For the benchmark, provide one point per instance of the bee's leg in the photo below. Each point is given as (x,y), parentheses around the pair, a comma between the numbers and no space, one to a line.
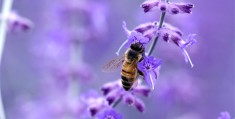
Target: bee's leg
(140,72)
(141,57)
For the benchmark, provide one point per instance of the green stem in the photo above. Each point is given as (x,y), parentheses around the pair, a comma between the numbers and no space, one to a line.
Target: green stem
(150,51)
(6,9)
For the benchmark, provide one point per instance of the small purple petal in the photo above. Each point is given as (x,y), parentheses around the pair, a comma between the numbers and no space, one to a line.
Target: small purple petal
(145,27)
(186,8)
(142,90)
(128,98)
(113,96)
(108,87)
(139,105)
(110,114)
(148,5)
(150,34)
(93,111)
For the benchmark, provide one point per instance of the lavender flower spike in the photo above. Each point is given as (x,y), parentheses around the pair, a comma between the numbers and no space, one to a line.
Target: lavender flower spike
(114,91)
(132,37)
(172,8)
(110,114)
(224,115)
(148,67)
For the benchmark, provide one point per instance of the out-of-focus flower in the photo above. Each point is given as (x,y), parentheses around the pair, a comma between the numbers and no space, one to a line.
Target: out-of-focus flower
(17,22)
(114,91)
(82,72)
(110,114)
(92,23)
(179,86)
(94,103)
(52,107)
(149,66)
(172,8)
(191,115)
(224,115)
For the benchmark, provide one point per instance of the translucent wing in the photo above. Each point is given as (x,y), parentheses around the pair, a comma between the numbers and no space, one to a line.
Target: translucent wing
(113,65)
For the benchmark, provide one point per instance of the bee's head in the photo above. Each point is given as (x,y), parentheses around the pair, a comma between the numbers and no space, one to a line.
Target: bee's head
(137,47)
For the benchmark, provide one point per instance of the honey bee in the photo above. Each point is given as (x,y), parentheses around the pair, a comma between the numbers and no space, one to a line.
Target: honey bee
(129,61)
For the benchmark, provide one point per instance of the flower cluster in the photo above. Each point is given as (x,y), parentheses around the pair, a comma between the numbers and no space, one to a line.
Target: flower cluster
(114,93)
(144,33)
(172,8)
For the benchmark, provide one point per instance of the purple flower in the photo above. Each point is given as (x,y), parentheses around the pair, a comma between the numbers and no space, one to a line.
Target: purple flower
(94,103)
(17,22)
(133,37)
(149,67)
(148,5)
(224,115)
(170,33)
(172,8)
(110,114)
(171,88)
(92,22)
(114,91)
(145,27)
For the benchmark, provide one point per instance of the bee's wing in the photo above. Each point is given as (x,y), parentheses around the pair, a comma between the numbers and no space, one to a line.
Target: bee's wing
(113,65)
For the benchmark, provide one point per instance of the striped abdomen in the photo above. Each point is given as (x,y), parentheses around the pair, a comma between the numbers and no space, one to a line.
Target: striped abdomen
(128,74)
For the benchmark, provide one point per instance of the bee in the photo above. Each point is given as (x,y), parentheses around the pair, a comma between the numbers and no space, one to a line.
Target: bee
(129,61)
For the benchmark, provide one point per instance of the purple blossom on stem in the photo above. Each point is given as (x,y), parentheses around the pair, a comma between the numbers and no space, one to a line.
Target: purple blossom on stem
(17,22)
(133,37)
(110,114)
(224,115)
(172,8)
(93,24)
(170,33)
(114,92)
(149,67)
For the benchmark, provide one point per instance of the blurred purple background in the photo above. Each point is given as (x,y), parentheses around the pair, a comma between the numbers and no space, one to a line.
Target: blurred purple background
(36,63)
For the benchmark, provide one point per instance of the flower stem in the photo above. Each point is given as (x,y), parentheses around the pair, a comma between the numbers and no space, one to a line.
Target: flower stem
(75,60)
(150,51)
(6,9)
(117,102)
